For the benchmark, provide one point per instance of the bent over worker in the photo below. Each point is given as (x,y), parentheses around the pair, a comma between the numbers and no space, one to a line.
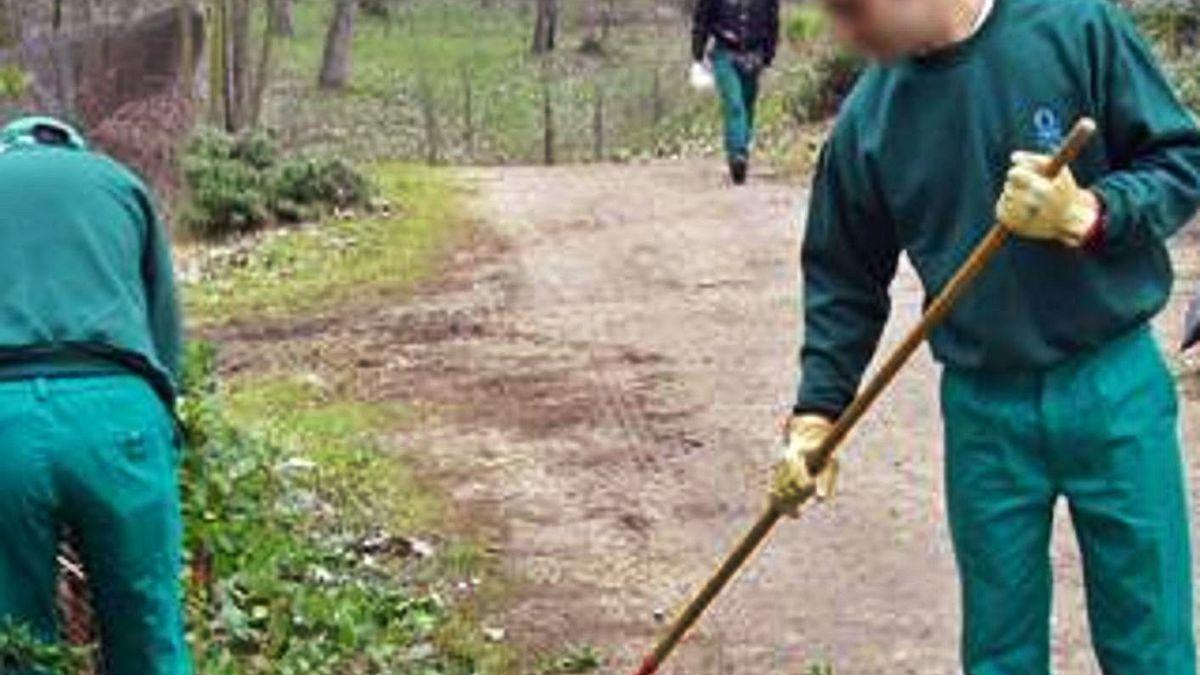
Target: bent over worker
(1053,386)
(89,364)
(744,35)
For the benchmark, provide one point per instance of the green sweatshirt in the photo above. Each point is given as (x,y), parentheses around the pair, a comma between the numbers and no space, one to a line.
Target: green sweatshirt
(85,270)
(918,159)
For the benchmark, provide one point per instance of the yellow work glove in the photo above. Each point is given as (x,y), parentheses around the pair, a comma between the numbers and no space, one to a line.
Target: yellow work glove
(1054,209)
(793,482)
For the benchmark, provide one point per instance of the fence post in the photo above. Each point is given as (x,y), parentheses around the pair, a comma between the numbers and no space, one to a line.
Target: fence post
(547,115)
(598,123)
(656,97)
(433,140)
(468,111)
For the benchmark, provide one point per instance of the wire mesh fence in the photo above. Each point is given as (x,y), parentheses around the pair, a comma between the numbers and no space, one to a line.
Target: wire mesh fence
(77,617)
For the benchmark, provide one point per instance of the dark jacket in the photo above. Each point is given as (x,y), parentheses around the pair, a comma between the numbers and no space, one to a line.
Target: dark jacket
(748,26)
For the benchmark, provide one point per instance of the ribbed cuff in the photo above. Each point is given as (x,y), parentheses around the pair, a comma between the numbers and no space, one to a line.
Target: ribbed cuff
(1098,233)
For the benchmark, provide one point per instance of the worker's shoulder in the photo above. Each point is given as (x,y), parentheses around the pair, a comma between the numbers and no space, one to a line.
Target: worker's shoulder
(66,162)
(64,171)
(113,169)
(859,109)
(108,171)
(1036,15)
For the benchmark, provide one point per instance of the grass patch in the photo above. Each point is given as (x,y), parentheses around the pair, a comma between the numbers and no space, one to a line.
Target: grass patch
(309,269)
(452,82)
(300,526)
(339,436)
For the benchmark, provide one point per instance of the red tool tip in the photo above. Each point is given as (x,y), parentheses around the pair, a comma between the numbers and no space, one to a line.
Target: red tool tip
(648,668)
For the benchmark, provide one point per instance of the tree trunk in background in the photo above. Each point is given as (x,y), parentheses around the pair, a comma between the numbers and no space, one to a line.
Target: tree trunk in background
(187,48)
(593,39)
(127,11)
(262,77)
(12,23)
(339,46)
(239,65)
(545,26)
(10,30)
(217,68)
(285,20)
(591,12)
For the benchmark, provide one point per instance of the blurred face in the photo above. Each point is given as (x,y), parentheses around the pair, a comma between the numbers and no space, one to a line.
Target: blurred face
(888,29)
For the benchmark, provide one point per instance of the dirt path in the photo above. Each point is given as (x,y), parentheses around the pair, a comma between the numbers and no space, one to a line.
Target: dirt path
(609,377)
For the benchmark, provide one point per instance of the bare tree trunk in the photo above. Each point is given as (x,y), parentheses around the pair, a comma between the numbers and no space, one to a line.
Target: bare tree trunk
(10,24)
(187,49)
(285,20)
(339,46)
(545,26)
(217,65)
(263,77)
(592,40)
(239,65)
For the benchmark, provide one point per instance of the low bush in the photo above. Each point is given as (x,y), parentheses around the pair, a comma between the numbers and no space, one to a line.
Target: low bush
(14,82)
(805,26)
(1186,76)
(302,186)
(818,85)
(239,184)
(21,651)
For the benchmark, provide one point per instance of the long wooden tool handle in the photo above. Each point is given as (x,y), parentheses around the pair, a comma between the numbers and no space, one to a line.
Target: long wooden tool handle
(934,313)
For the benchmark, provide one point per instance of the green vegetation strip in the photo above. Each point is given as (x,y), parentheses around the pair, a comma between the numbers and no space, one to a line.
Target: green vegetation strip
(297,525)
(349,257)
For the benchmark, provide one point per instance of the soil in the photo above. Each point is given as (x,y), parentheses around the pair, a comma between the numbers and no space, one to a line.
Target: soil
(605,368)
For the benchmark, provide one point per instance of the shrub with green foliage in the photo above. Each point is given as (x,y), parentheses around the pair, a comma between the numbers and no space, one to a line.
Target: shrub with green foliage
(805,26)
(818,85)
(300,187)
(226,194)
(239,184)
(21,651)
(1186,76)
(14,82)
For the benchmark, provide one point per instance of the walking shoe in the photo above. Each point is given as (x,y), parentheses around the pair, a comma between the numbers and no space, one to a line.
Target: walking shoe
(737,170)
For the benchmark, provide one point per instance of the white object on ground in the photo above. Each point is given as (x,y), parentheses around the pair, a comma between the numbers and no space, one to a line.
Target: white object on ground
(701,77)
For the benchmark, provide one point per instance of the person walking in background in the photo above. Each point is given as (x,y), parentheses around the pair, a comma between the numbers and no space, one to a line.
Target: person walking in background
(739,39)
(90,342)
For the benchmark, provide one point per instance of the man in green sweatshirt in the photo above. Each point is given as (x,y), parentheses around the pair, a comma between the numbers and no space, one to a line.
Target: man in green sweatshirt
(1053,385)
(89,365)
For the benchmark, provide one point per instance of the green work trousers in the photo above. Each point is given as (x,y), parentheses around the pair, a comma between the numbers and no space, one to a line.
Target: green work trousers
(1100,431)
(739,97)
(97,455)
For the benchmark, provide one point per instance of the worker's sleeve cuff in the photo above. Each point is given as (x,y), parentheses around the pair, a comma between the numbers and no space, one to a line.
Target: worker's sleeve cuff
(827,404)
(828,413)
(1098,234)
(1114,213)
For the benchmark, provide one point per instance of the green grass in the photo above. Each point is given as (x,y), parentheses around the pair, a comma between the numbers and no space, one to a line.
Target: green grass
(408,96)
(431,53)
(307,270)
(283,481)
(341,437)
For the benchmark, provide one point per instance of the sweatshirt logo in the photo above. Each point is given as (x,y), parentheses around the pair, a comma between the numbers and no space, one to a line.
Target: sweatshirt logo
(1048,127)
